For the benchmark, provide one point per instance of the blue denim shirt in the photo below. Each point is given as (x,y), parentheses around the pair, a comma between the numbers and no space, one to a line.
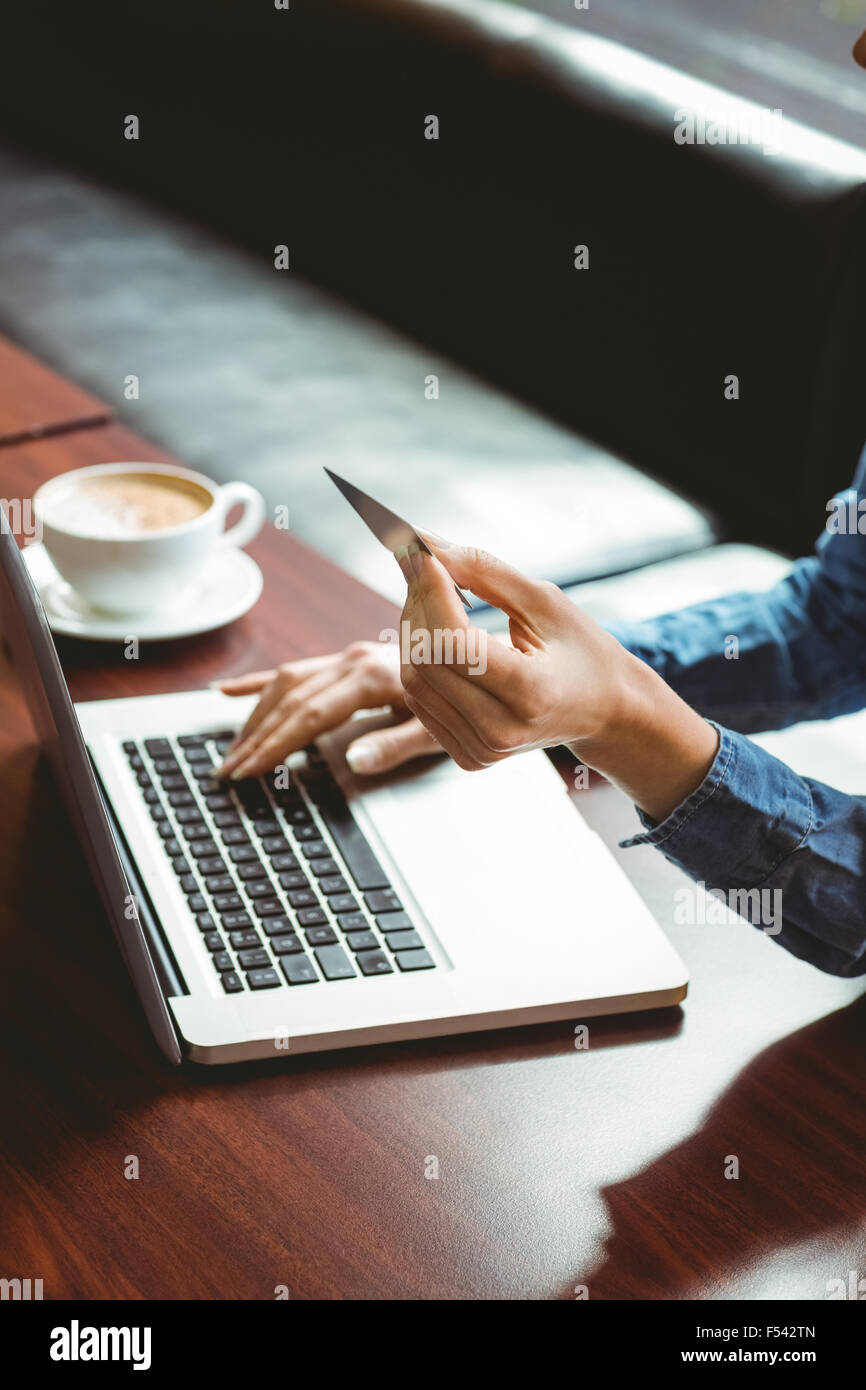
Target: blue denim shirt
(753,823)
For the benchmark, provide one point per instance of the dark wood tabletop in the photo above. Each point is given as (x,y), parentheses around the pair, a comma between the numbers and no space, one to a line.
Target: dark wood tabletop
(35,401)
(561,1170)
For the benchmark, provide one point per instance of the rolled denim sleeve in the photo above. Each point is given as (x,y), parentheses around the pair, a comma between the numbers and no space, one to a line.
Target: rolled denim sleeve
(759,834)
(755,661)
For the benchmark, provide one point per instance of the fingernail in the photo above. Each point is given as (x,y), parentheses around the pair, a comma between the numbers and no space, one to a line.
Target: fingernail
(407,557)
(361,756)
(215,685)
(239,773)
(441,542)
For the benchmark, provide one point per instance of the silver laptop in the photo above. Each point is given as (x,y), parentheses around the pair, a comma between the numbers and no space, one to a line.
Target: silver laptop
(309,910)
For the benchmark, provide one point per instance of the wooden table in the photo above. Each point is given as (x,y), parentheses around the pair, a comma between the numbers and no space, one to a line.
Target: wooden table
(35,402)
(558,1168)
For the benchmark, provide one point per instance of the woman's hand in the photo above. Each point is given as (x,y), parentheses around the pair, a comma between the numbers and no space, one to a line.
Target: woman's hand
(303,699)
(562,680)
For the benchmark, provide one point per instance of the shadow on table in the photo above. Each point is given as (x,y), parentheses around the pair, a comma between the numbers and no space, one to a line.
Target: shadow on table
(794,1120)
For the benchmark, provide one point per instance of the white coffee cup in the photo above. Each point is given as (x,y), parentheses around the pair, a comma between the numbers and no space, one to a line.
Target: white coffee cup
(135,571)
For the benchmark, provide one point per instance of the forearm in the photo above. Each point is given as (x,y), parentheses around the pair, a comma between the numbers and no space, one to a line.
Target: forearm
(785,852)
(757,661)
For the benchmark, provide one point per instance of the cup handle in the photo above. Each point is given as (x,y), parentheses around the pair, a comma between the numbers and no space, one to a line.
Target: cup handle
(253,518)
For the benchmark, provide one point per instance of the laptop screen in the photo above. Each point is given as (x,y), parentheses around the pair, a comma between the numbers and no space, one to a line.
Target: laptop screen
(35,662)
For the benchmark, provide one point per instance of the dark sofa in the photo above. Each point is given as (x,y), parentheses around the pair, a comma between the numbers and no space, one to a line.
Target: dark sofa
(307,127)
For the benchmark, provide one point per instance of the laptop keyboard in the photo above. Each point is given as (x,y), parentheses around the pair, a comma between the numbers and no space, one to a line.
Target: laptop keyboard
(280,880)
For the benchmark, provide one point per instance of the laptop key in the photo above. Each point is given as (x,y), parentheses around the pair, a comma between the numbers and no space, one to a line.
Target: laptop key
(263,979)
(192,740)
(181,865)
(311,917)
(362,941)
(213,865)
(353,921)
(223,961)
(202,849)
(232,983)
(213,941)
(219,883)
(385,900)
(334,883)
(173,847)
(241,940)
(228,902)
(151,796)
(307,832)
(415,960)
(321,936)
(175,783)
(242,854)
(316,849)
(197,831)
(166,766)
(263,826)
(283,862)
(268,907)
(260,888)
(197,754)
(235,835)
(130,746)
(254,869)
(374,963)
(189,883)
(226,818)
(272,926)
(287,945)
(254,958)
(236,921)
(294,879)
(176,799)
(203,772)
(299,970)
(275,844)
(325,868)
(198,902)
(350,841)
(395,921)
(302,897)
(189,815)
(342,902)
(219,801)
(158,747)
(205,922)
(166,830)
(334,963)
(404,941)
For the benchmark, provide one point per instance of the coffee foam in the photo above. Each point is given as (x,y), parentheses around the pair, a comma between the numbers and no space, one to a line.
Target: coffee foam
(123,505)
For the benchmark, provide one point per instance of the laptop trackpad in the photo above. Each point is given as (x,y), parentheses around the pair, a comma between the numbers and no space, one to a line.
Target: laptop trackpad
(487,855)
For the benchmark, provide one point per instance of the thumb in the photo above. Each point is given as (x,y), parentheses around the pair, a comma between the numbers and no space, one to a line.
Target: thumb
(493,580)
(388,748)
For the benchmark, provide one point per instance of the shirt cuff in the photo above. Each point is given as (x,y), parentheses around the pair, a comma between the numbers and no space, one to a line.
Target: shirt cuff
(749,813)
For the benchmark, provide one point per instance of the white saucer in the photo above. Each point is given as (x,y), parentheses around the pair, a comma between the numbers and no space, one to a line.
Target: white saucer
(228,586)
